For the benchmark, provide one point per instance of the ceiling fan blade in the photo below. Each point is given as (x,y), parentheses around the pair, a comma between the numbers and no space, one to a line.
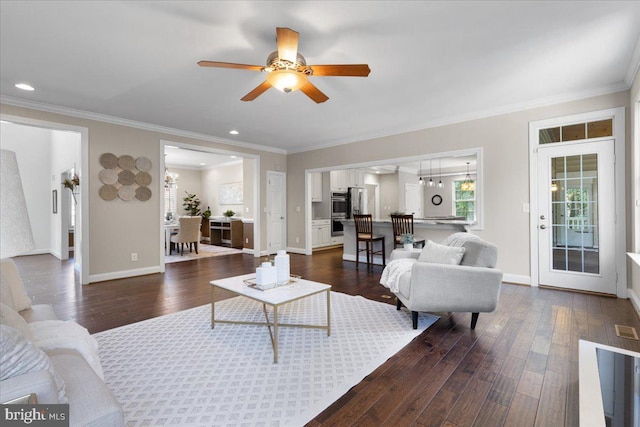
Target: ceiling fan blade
(313,92)
(230,65)
(287,40)
(262,88)
(352,70)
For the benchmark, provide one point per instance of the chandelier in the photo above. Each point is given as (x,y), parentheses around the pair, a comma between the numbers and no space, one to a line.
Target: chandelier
(468,184)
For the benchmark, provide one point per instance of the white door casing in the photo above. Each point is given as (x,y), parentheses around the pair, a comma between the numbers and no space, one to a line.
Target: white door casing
(577,237)
(276,211)
(616,258)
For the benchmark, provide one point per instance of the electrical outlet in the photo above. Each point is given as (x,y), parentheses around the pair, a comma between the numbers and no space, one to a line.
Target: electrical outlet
(246,240)
(525,207)
(297,208)
(246,210)
(134,256)
(297,240)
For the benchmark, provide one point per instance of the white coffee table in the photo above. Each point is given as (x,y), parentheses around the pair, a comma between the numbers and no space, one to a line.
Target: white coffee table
(273,298)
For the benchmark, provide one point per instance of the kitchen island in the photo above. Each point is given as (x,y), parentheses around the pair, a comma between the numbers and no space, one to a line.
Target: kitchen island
(429,229)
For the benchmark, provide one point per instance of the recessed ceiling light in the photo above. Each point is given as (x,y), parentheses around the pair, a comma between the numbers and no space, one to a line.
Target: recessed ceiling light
(170,146)
(203,164)
(4,122)
(377,171)
(234,157)
(24,86)
(234,132)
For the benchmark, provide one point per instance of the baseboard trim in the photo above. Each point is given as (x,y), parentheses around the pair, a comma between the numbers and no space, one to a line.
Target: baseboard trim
(517,279)
(93,278)
(635,301)
(301,251)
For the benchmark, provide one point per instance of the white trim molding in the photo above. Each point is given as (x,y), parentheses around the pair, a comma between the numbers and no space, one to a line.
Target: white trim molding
(516,278)
(619,136)
(123,274)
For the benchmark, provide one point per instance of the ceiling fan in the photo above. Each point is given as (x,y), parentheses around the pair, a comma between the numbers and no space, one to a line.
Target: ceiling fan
(288,71)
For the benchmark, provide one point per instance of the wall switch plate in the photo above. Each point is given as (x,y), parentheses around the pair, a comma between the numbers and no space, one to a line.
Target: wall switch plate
(297,240)
(297,208)
(525,207)
(134,256)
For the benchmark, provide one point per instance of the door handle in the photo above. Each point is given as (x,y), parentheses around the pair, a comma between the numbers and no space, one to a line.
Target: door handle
(542,227)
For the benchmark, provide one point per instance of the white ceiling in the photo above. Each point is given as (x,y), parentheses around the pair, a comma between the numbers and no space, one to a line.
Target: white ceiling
(431,62)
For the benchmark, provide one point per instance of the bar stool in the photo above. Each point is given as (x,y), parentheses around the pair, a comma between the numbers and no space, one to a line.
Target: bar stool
(403,224)
(364,233)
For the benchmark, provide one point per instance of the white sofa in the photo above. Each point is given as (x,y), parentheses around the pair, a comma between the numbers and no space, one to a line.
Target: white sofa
(470,283)
(56,375)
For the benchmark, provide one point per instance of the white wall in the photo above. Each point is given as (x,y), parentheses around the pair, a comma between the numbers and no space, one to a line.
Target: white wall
(33,147)
(65,154)
(211,181)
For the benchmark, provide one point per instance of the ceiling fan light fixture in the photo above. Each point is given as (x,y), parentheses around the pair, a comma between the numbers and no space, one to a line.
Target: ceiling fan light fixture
(286,80)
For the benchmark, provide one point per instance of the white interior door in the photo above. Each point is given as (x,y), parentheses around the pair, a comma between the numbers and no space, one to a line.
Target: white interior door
(576,216)
(413,200)
(276,211)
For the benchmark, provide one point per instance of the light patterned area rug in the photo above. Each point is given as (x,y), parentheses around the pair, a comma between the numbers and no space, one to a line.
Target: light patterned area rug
(175,370)
(204,251)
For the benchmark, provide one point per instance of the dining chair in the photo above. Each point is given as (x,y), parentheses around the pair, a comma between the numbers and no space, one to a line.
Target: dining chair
(364,233)
(403,224)
(189,232)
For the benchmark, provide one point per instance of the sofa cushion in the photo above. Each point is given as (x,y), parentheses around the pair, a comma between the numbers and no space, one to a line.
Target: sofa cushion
(11,283)
(38,312)
(479,253)
(9,317)
(441,254)
(90,400)
(19,355)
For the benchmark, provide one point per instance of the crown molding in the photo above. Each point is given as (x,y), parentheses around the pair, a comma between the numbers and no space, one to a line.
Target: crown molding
(512,108)
(634,65)
(50,108)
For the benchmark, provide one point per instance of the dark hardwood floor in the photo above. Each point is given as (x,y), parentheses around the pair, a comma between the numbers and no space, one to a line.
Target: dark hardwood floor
(518,368)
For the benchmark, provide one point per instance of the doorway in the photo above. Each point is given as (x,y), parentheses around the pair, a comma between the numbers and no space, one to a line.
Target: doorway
(276,211)
(577,202)
(61,147)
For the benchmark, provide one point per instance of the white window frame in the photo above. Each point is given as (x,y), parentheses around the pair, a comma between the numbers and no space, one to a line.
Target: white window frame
(454,200)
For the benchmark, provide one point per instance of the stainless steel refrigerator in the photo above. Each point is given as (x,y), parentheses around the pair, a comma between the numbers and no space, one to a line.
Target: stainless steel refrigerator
(357,201)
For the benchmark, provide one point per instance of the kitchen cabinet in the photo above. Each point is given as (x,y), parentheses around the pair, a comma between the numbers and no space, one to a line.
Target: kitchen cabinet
(338,180)
(343,179)
(320,233)
(316,188)
(355,178)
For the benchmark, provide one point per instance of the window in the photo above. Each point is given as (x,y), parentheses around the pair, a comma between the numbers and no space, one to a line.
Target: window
(170,195)
(464,201)
(589,130)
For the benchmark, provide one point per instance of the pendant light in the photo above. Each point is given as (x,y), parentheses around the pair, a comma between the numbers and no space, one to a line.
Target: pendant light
(440,184)
(431,183)
(420,181)
(468,184)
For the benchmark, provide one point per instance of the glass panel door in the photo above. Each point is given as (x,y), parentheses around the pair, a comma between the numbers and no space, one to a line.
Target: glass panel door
(574,211)
(577,216)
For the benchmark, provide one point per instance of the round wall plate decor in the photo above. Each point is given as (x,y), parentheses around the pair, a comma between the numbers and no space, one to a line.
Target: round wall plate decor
(108,160)
(126,162)
(436,200)
(143,164)
(126,177)
(108,192)
(143,178)
(108,176)
(126,193)
(143,194)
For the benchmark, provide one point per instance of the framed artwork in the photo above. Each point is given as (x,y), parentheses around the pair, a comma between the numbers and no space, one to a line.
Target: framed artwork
(231,193)
(54,201)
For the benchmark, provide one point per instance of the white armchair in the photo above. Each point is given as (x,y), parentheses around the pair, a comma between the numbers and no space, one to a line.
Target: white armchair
(472,286)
